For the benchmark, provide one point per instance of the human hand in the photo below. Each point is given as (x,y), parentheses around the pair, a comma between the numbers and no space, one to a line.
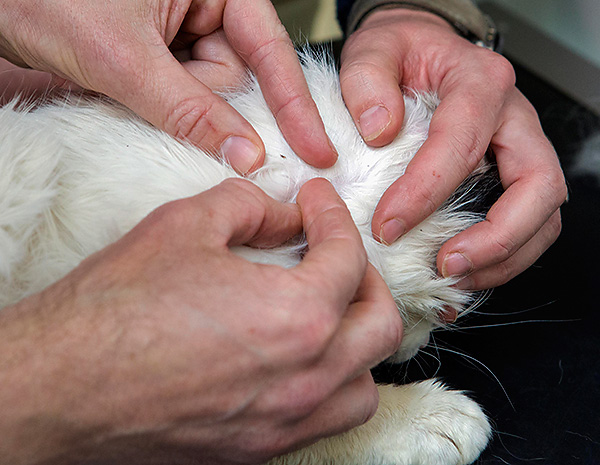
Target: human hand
(122,49)
(166,346)
(480,106)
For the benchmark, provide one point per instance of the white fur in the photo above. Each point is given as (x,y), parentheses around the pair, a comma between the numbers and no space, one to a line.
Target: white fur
(77,174)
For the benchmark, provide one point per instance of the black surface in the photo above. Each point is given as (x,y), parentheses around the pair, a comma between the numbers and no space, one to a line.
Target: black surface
(537,375)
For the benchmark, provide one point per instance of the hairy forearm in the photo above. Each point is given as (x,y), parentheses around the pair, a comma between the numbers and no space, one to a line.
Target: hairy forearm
(37,397)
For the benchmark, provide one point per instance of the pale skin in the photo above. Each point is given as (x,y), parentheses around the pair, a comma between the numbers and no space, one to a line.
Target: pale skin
(155,349)
(121,49)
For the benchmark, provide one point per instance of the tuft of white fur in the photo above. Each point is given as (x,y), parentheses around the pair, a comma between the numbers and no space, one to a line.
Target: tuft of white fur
(79,173)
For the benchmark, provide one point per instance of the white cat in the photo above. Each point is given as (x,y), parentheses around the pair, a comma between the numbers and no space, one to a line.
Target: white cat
(77,174)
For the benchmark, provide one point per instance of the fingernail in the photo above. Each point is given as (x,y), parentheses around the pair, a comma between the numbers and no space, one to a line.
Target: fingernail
(456,264)
(391,230)
(240,153)
(449,314)
(374,121)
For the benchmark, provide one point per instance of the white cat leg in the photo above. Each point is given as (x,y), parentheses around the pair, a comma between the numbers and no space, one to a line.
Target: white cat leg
(416,424)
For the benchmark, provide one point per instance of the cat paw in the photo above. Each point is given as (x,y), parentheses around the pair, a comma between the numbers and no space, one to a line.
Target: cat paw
(415,424)
(431,426)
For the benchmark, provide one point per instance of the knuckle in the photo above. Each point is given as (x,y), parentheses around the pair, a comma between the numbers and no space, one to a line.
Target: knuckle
(303,326)
(555,227)
(470,148)
(554,183)
(296,398)
(259,447)
(192,119)
(361,71)
(371,403)
(394,331)
(292,107)
(162,226)
(424,202)
(311,334)
(504,272)
(301,400)
(502,71)
(466,146)
(503,245)
(266,52)
(173,215)
(241,188)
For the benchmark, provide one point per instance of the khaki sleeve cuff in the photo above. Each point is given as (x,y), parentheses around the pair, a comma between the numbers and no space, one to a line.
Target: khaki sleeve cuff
(463,15)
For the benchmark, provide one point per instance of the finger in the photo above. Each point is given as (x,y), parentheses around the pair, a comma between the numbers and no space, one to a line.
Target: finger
(498,274)
(369,78)
(336,259)
(16,81)
(202,18)
(168,96)
(459,133)
(241,213)
(534,190)
(371,331)
(257,35)
(510,223)
(215,63)
(351,405)
(65,84)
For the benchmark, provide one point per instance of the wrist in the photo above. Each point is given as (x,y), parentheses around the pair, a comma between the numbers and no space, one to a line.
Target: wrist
(410,18)
(463,15)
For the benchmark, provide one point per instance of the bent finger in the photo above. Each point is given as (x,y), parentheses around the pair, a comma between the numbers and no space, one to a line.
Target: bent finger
(369,79)
(459,133)
(242,213)
(213,61)
(257,35)
(370,332)
(534,190)
(500,273)
(336,260)
(350,406)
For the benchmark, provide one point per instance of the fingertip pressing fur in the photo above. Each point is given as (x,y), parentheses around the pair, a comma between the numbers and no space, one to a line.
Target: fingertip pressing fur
(78,173)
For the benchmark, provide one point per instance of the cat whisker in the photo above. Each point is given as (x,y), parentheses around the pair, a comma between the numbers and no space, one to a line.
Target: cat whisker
(482,297)
(520,459)
(439,362)
(518,312)
(511,323)
(420,366)
(504,433)
(478,362)
(502,460)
